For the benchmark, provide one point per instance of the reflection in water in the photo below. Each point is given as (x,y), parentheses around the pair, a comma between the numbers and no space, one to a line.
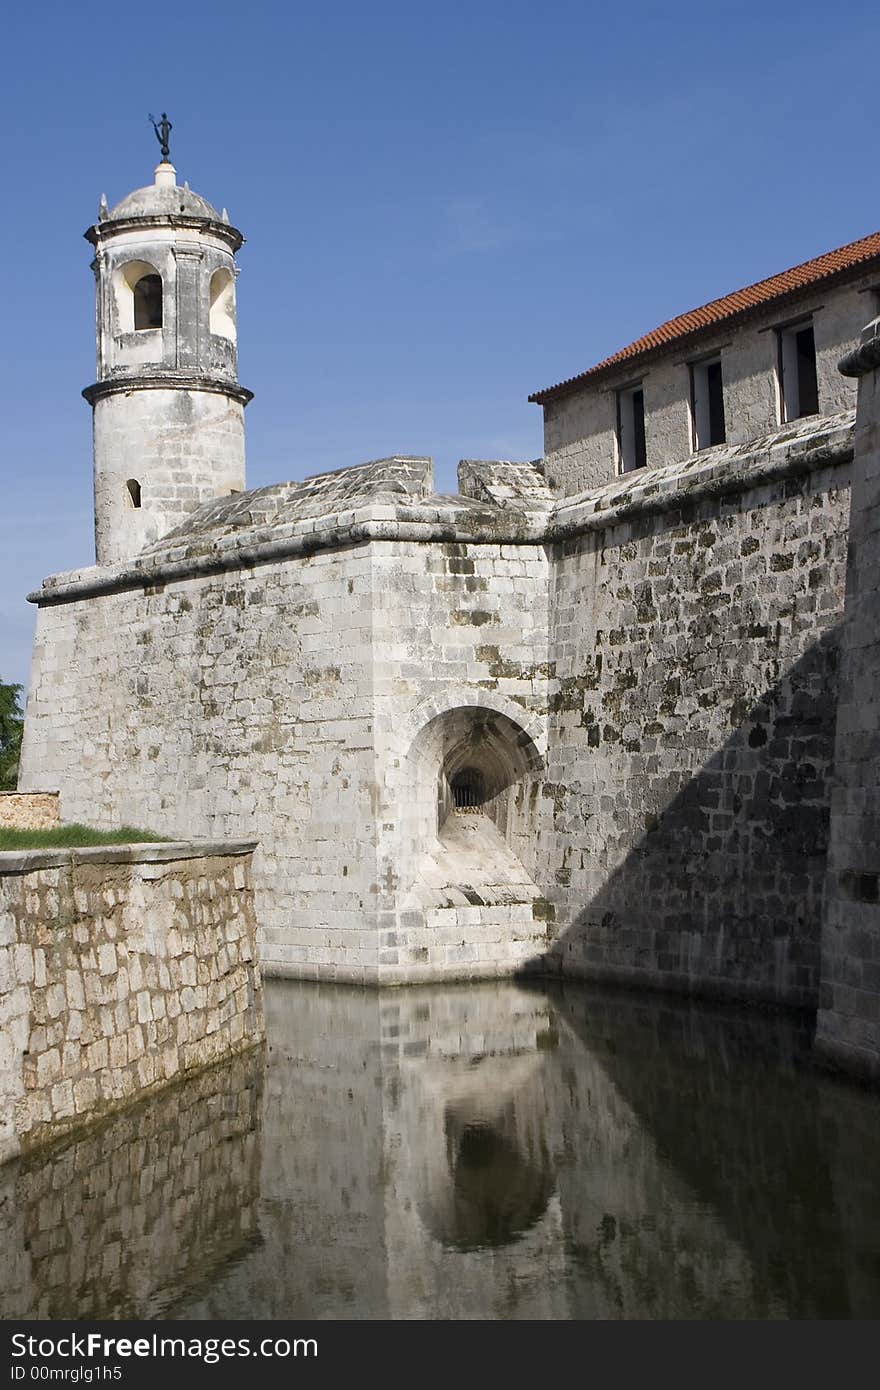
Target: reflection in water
(486,1151)
(123,1221)
(496,1191)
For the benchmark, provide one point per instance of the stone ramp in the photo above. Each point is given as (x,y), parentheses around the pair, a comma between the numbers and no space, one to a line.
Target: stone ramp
(473,911)
(472,864)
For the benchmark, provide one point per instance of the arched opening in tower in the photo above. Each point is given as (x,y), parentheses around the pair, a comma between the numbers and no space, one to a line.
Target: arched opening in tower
(148,302)
(221,317)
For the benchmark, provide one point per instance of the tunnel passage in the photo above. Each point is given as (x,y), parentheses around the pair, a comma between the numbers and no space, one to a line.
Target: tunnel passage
(471,804)
(482,757)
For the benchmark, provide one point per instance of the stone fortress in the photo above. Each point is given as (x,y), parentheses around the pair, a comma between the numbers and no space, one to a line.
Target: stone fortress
(610,713)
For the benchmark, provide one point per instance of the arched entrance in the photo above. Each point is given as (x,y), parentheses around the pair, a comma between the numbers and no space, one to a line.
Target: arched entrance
(481,759)
(473,785)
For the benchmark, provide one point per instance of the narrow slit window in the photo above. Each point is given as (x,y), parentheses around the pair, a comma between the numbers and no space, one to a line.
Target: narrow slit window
(148,302)
(631,446)
(707,403)
(133,488)
(799,386)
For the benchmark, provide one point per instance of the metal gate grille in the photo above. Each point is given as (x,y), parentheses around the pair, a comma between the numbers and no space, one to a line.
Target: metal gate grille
(467,788)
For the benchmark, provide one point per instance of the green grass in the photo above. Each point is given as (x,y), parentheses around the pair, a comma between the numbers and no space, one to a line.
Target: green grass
(75,837)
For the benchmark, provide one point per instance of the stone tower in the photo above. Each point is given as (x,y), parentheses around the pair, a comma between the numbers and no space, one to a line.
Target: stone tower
(168,408)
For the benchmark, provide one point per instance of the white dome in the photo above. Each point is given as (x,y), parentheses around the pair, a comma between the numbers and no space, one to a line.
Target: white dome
(164,198)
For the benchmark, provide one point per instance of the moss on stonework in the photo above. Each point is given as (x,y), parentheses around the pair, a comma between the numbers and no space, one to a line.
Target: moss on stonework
(543,911)
(502,669)
(463,617)
(740,710)
(569,694)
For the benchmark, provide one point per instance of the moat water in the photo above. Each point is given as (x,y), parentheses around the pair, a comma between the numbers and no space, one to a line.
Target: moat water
(485,1151)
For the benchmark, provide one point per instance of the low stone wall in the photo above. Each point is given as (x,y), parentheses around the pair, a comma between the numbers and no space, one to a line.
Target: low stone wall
(120,968)
(29,810)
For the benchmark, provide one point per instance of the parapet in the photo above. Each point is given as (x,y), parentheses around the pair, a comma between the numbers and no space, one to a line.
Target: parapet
(504,484)
(500,503)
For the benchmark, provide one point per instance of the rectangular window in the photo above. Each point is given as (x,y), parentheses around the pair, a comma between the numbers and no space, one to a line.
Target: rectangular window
(707,403)
(798,384)
(631,429)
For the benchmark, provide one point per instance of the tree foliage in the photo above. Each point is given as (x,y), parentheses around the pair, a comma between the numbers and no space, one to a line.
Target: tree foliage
(11,727)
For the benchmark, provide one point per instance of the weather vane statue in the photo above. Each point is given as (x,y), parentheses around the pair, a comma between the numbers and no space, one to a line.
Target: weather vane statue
(163,130)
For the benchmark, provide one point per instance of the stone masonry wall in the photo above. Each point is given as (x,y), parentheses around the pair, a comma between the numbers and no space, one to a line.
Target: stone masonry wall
(121,968)
(28,810)
(279,702)
(460,633)
(848,1024)
(650,670)
(236,707)
(692,723)
(182,447)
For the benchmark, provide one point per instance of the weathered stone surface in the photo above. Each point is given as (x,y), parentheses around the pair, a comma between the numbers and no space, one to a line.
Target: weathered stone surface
(648,671)
(98,952)
(29,810)
(226,722)
(848,1025)
(691,728)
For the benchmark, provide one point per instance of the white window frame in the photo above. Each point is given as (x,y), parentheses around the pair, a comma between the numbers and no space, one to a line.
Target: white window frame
(787,385)
(699,401)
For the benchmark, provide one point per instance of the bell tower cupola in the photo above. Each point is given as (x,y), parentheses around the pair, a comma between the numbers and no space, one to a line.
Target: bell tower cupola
(168,410)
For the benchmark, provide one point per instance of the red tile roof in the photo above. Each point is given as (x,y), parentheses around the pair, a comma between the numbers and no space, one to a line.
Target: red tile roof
(729,307)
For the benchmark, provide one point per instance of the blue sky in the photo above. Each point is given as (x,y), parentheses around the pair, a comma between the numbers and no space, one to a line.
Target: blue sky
(446,207)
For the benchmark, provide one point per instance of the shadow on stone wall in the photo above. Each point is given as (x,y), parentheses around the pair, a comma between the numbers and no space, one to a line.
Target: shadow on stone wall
(722,891)
(120,1222)
(774,1151)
